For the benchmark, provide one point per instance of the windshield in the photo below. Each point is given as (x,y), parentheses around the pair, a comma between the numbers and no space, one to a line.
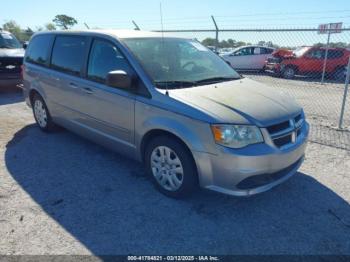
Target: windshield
(175,62)
(8,41)
(300,51)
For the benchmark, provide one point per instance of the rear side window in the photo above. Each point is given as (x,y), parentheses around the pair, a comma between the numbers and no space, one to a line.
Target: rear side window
(38,51)
(104,58)
(68,54)
(333,54)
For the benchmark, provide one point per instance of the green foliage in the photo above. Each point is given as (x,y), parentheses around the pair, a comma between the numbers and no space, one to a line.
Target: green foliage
(15,29)
(64,21)
(229,43)
(50,27)
(333,45)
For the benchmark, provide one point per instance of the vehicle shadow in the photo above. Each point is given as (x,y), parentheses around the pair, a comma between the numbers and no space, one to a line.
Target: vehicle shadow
(10,95)
(107,203)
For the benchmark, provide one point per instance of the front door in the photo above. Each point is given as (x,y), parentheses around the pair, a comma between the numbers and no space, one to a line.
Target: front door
(107,110)
(241,59)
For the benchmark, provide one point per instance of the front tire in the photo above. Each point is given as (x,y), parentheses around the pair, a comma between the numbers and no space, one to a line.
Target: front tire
(288,72)
(41,114)
(171,167)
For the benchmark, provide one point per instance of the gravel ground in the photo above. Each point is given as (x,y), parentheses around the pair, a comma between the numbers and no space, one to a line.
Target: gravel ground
(61,194)
(322,105)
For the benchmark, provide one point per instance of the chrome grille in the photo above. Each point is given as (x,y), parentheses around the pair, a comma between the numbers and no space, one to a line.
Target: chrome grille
(286,133)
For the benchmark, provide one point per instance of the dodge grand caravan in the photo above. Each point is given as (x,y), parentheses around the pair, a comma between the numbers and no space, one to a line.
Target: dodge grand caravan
(168,102)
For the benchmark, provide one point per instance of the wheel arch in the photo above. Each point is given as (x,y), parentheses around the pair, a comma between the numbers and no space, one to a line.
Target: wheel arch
(32,93)
(295,67)
(153,133)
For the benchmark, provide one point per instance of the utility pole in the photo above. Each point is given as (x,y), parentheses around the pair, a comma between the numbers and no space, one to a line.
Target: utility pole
(216,34)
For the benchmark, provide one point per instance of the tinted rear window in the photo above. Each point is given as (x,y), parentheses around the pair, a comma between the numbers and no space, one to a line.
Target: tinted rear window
(9,41)
(38,50)
(68,54)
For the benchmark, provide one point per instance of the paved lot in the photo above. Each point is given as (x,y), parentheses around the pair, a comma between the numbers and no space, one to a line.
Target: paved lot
(61,194)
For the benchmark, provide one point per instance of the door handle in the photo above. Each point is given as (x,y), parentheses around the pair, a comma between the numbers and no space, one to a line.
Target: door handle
(88,90)
(73,85)
(54,78)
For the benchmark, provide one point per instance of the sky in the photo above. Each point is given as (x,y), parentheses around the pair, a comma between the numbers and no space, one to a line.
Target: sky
(191,14)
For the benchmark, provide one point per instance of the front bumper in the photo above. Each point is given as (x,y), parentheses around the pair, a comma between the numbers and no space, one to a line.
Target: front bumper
(273,68)
(251,170)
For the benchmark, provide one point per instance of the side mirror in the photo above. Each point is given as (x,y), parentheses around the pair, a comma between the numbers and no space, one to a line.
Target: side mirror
(119,79)
(25,45)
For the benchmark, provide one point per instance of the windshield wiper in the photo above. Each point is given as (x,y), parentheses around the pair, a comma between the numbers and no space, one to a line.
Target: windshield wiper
(182,84)
(174,84)
(216,80)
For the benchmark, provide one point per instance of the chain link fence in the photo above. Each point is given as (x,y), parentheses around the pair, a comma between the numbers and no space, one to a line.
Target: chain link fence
(303,51)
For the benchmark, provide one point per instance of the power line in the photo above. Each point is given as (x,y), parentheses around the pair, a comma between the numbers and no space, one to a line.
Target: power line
(205,18)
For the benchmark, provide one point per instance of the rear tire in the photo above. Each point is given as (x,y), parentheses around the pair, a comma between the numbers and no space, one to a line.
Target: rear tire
(41,114)
(171,167)
(340,73)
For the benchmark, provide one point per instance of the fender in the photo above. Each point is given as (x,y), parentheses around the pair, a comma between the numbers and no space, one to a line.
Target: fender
(173,126)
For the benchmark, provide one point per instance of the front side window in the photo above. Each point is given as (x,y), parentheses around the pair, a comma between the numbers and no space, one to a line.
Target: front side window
(175,62)
(39,49)
(316,54)
(245,51)
(104,58)
(68,54)
(9,41)
(266,50)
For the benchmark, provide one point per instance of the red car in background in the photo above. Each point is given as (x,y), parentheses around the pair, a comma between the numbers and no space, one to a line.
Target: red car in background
(307,60)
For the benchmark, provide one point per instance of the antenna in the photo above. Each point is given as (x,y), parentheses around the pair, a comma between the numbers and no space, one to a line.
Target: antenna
(161,23)
(86,25)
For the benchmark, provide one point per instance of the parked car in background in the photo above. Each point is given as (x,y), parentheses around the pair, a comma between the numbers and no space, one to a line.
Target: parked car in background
(226,50)
(248,57)
(168,102)
(11,58)
(307,60)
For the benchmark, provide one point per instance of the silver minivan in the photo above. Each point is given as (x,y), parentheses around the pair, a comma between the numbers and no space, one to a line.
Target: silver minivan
(168,102)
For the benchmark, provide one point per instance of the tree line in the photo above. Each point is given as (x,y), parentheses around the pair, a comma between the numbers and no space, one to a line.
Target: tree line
(65,22)
(60,21)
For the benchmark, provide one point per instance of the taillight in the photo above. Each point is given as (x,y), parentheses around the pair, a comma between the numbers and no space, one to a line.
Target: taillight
(22,71)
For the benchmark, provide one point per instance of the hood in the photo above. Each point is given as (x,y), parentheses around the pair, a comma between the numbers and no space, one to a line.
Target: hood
(283,53)
(17,52)
(240,102)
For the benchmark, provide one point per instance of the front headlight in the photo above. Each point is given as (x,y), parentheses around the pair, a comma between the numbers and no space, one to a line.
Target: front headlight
(236,136)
